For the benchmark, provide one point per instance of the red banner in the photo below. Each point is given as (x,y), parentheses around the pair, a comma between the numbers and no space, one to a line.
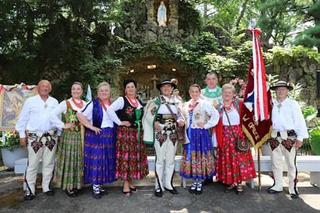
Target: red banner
(255,115)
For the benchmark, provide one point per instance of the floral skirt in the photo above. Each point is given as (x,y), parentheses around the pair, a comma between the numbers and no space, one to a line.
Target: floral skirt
(131,155)
(197,162)
(69,164)
(99,157)
(233,166)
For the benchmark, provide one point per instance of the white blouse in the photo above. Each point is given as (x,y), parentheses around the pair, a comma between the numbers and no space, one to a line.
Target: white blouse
(203,112)
(233,115)
(106,120)
(62,108)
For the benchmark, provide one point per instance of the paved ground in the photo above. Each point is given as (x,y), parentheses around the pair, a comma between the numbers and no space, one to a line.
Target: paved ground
(213,199)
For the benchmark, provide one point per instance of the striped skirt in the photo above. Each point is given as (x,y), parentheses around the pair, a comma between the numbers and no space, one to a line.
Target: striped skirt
(99,157)
(69,164)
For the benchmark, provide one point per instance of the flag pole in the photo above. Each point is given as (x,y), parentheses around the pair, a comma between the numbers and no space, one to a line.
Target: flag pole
(259,170)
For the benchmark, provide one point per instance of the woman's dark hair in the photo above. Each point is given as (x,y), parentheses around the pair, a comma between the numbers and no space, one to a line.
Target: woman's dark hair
(127,81)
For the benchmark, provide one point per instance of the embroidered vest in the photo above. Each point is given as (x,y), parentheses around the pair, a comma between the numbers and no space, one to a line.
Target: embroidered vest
(71,117)
(128,113)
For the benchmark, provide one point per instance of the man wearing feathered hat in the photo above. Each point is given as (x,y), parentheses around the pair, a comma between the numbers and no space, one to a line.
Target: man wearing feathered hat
(160,121)
(288,131)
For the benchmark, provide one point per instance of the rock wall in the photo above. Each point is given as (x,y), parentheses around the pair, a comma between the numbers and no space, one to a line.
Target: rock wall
(302,71)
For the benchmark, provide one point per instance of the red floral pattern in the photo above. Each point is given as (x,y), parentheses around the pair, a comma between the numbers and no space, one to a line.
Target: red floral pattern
(233,166)
(131,155)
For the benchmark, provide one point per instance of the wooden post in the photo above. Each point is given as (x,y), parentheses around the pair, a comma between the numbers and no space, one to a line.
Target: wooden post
(259,170)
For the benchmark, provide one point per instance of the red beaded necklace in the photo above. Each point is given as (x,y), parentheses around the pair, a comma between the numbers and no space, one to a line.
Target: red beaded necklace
(133,102)
(77,104)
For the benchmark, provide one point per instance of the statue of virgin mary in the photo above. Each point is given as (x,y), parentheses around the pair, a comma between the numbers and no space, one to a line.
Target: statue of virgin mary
(162,15)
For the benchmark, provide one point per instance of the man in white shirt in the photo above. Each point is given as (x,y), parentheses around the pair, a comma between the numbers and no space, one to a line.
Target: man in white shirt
(160,120)
(40,136)
(288,131)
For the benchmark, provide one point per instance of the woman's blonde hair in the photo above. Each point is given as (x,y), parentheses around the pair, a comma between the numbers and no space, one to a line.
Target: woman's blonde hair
(103,84)
(228,86)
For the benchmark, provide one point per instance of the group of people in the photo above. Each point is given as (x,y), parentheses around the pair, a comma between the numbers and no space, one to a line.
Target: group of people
(101,141)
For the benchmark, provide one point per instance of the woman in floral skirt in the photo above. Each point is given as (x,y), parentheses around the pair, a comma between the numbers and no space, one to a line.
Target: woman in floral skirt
(233,166)
(131,153)
(197,162)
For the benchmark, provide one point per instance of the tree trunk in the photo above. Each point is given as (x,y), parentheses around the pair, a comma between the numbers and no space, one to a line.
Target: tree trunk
(243,10)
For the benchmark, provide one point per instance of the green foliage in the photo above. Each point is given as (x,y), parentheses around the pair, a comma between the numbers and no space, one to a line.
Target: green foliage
(310,37)
(309,113)
(295,54)
(315,140)
(189,19)
(70,40)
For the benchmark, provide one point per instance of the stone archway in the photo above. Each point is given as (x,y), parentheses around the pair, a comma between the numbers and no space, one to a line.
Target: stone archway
(150,70)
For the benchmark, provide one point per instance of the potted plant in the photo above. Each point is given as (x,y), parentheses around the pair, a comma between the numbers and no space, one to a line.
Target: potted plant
(10,148)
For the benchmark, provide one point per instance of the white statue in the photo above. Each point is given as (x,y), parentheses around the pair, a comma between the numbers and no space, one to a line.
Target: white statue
(162,15)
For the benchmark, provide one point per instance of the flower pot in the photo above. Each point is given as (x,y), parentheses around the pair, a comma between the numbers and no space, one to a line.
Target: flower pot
(9,157)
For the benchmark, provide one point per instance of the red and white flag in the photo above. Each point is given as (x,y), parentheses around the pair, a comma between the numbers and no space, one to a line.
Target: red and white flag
(261,111)
(255,115)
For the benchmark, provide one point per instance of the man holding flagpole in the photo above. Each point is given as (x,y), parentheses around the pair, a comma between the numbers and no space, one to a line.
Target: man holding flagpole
(288,131)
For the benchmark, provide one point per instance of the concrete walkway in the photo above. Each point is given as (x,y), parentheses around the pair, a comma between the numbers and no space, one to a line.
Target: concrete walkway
(213,199)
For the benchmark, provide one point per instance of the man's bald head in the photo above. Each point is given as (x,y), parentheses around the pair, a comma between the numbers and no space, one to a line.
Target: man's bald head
(44,87)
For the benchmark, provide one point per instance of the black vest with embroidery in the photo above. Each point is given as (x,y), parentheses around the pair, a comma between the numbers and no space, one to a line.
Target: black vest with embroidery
(127,113)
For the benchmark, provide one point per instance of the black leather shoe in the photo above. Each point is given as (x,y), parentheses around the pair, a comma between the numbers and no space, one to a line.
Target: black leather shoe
(271,191)
(49,193)
(172,191)
(103,191)
(72,193)
(294,196)
(28,197)
(158,193)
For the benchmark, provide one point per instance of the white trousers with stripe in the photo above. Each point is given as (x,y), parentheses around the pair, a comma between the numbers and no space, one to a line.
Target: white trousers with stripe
(277,162)
(165,161)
